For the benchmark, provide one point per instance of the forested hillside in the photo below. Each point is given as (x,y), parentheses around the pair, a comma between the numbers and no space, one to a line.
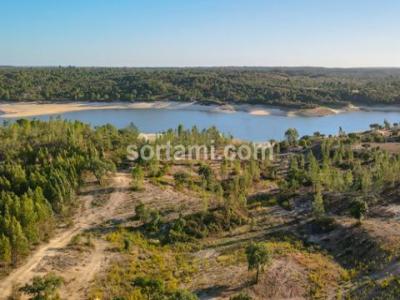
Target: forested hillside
(295,87)
(319,221)
(41,166)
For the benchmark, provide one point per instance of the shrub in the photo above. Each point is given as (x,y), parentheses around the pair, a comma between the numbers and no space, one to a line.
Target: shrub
(43,287)
(241,296)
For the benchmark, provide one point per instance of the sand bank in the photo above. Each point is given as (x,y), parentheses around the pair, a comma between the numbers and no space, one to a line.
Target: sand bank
(259,112)
(29,109)
(321,111)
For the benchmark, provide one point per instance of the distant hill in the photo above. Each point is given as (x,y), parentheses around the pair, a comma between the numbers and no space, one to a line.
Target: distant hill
(284,86)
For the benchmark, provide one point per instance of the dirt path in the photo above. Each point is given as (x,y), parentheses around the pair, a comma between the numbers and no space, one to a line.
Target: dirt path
(88,218)
(77,280)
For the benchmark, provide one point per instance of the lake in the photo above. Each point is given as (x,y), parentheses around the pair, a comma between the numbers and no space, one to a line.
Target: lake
(240,124)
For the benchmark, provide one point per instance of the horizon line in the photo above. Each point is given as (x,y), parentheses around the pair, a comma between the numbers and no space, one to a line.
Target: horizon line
(199,66)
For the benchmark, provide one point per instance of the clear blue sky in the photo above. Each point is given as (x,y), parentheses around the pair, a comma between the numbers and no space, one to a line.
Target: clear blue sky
(342,33)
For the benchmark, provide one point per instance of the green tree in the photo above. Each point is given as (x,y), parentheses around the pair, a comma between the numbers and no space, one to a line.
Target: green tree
(366,181)
(318,205)
(29,219)
(387,124)
(5,249)
(207,176)
(348,179)
(224,168)
(19,243)
(257,257)
(100,167)
(359,209)
(292,136)
(313,169)
(137,178)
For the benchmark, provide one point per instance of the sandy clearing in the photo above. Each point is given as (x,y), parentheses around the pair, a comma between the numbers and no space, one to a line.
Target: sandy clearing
(87,219)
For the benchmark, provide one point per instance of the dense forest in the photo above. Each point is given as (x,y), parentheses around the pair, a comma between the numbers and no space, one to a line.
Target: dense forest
(42,164)
(295,87)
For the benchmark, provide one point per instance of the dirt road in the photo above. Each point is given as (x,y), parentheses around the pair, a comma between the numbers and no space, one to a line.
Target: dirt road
(88,218)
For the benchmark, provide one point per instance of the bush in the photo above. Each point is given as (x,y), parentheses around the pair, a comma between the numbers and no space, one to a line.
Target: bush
(156,289)
(241,296)
(142,213)
(358,209)
(43,287)
(324,224)
(201,224)
(182,178)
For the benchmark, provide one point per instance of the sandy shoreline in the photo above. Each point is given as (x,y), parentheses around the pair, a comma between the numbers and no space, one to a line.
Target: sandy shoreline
(30,109)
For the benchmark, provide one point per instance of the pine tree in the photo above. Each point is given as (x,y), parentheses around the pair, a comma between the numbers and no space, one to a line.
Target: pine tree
(45,218)
(348,179)
(318,204)
(5,249)
(359,209)
(224,169)
(28,219)
(137,178)
(291,136)
(313,169)
(258,256)
(219,192)
(19,243)
(254,170)
(366,181)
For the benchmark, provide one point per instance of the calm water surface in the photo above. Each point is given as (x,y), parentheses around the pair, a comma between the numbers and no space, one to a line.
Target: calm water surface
(240,124)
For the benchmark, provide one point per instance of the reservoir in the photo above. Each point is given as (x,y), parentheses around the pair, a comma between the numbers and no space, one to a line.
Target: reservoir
(240,124)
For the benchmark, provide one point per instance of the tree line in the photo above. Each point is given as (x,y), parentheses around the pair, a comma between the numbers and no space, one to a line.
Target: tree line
(295,87)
